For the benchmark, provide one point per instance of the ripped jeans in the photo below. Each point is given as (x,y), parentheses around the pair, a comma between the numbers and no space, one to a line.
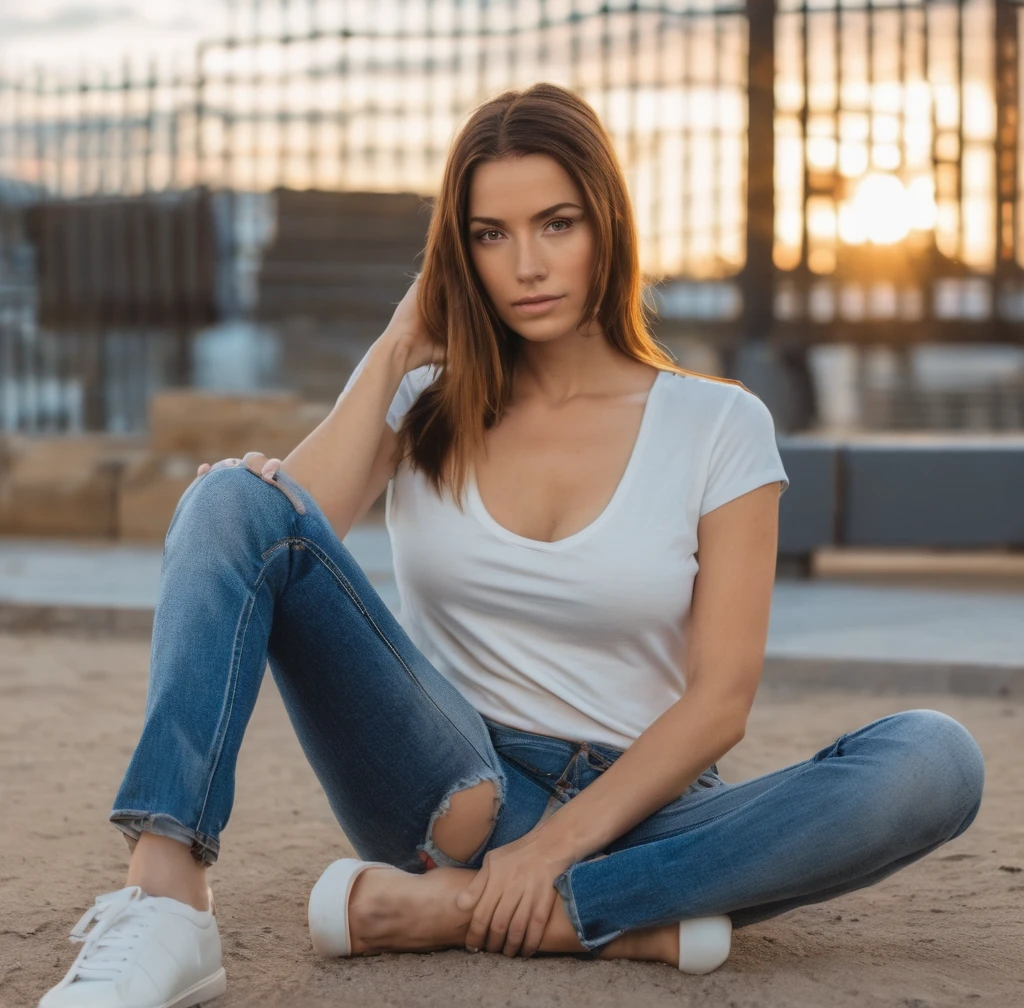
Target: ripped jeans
(253,575)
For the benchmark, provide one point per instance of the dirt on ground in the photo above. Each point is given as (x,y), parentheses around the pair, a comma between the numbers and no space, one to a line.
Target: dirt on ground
(944,931)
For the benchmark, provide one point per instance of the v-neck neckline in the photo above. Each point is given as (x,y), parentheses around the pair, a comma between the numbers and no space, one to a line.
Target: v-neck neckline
(484,516)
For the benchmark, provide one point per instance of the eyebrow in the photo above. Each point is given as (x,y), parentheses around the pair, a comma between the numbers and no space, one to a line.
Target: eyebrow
(536,217)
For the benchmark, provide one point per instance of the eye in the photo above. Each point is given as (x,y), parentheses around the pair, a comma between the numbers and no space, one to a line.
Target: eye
(481,236)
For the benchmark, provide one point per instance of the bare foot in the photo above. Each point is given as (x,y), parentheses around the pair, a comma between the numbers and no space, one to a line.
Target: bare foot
(391,910)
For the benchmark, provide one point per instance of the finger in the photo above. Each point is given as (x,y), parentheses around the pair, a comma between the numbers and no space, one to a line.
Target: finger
(203,469)
(254,461)
(500,920)
(468,898)
(225,463)
(267,470)
(538,922)
(518,925)
(476,934)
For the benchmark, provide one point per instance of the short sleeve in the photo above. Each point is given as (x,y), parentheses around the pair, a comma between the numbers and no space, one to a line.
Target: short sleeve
(744,455)
(412,384)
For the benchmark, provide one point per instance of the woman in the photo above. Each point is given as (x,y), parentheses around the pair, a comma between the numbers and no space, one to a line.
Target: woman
(528,760)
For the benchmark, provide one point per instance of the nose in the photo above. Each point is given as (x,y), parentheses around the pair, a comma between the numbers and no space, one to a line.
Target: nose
(529,263)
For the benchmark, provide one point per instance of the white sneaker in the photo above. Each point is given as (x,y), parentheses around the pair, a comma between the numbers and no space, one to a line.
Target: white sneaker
(143,952)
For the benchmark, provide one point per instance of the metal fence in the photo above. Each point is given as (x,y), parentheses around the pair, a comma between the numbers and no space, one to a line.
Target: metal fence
(832,171)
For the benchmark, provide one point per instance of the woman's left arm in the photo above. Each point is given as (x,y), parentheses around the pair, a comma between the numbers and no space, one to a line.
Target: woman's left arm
(728,631)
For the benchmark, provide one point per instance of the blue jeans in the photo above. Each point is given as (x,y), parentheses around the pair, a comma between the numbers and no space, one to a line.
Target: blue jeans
(253,574)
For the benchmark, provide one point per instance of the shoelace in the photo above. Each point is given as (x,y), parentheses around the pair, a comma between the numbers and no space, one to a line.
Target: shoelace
(120,919)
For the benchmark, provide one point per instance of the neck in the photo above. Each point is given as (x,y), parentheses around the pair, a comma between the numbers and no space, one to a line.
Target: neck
(558,370)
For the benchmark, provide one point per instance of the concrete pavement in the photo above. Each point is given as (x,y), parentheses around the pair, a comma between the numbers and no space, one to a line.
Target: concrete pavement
(824,632)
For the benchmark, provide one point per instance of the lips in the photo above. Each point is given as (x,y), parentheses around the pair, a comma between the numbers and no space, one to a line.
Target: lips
(536,307)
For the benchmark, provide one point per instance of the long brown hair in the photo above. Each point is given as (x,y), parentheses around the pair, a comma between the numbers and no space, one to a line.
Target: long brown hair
(444,428)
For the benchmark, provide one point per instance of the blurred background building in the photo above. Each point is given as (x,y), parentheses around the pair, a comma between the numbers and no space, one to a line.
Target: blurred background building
(827,194)
(202,230)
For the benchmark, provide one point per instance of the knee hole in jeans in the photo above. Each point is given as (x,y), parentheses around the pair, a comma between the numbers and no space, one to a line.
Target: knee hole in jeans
(465,820)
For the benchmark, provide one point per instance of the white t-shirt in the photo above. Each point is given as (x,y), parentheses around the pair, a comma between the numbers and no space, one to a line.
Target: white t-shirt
(582,638)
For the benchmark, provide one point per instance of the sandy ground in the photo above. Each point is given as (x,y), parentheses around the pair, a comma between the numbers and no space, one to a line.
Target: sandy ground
(944,931)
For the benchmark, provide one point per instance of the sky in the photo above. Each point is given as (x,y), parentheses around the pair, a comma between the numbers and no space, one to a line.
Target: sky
(56,33)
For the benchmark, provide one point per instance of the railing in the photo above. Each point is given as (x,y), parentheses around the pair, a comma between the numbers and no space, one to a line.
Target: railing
(835,171)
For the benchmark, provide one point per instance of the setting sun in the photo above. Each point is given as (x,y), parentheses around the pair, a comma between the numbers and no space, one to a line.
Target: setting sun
(882,211)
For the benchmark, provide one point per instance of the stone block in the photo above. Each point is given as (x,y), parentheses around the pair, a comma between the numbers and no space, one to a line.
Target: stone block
(102,486)
(63,487)
(207,426)
(148,494)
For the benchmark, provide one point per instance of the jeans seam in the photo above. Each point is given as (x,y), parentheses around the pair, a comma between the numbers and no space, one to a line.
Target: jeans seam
(233,684)
(354,596)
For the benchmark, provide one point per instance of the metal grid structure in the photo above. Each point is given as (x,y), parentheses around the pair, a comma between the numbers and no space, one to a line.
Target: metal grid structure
(881,204)
(898,178)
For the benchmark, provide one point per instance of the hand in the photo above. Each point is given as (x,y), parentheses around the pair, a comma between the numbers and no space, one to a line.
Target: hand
(253,461)
(263,467)
(409,331)
(513,894)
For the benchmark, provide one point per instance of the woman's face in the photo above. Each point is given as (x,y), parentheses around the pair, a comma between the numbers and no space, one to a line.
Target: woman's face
(528,235)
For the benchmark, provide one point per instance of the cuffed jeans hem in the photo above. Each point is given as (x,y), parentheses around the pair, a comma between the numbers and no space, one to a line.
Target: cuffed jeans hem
(205,849)
(564,888)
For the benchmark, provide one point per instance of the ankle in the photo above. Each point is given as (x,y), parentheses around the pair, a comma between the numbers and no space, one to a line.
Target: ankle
(197,898)
(161,866)
(375,911)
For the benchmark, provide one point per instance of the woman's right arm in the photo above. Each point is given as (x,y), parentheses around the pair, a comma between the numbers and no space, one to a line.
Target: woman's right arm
(346,461)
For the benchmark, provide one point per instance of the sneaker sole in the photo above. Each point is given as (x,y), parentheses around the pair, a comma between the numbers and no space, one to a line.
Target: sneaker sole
(202,991)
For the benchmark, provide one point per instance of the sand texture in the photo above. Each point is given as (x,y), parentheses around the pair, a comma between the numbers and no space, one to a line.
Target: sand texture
(945,931)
